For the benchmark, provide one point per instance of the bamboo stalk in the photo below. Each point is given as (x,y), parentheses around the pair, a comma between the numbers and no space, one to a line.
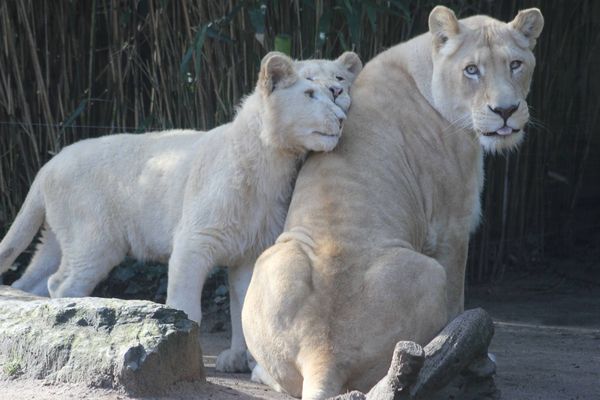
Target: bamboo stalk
(125,60)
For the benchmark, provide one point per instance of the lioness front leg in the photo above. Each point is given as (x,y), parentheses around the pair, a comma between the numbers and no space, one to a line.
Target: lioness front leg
(235,359)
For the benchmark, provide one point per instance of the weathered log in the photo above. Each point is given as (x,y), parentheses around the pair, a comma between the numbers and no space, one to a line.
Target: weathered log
(406,363)
(464,340)
(454,365)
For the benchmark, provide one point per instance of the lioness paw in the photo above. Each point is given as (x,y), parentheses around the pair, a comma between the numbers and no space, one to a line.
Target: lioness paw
(259,375)
(232,361)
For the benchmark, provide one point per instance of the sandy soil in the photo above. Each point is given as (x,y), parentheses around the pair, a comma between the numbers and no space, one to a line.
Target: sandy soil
(547,346)
(547,340)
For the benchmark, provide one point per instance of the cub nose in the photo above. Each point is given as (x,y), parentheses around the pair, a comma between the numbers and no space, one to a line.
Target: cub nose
(505,112)
(336,91)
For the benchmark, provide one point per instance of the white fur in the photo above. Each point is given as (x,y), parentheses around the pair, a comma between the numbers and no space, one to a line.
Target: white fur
(196,199)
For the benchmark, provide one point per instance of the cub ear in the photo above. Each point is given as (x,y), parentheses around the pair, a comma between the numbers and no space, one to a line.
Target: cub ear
(351,61)
(442,25)
(529,23)
(276,72)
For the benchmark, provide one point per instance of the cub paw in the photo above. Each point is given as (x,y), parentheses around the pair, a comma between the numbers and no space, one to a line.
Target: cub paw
(232,361)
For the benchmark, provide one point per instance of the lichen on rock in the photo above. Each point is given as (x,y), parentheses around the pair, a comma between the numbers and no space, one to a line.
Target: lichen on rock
(138,346)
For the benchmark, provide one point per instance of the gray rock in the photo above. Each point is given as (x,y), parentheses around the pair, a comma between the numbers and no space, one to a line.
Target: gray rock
(139,346)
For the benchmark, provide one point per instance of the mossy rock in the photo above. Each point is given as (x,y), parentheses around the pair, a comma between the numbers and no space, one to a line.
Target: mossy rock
(139,346)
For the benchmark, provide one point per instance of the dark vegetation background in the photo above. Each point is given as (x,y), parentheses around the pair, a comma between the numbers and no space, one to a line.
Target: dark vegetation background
(70,70)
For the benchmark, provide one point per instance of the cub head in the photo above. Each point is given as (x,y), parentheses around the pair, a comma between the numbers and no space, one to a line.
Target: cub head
(299,115)
(337,75)
(482,71)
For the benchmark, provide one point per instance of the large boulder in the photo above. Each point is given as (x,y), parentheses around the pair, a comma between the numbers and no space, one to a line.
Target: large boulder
(139,346)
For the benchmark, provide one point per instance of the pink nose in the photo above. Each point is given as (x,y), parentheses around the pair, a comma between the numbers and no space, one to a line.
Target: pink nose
(336,91)
(505,112)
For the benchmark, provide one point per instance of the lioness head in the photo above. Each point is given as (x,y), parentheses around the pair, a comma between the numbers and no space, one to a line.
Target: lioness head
(337,75)
(482,70)
(298,114)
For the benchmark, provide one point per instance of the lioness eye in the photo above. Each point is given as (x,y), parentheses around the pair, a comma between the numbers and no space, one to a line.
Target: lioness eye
(310,93)
(472,69)
(340,78)
(515,64)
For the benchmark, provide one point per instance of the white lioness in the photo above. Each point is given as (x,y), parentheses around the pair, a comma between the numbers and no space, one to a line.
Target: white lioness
(198,199)
(375,242)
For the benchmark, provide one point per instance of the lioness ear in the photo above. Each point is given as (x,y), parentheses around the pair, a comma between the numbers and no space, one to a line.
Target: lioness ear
(351,61)
(276,72)
(442,25)
(530,23)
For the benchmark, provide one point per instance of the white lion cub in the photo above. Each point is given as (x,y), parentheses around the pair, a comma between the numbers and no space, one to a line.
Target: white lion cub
(196,199)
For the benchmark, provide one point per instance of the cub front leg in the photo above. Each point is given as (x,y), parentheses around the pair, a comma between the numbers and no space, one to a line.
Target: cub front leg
(235,359)
(190,262)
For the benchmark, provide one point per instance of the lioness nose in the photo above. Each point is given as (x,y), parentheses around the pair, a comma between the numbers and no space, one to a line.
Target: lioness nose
(336,91)
(505,112)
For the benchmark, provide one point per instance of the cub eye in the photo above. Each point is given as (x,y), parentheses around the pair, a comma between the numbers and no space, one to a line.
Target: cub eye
(514,65)
(472,70)
(340,78)
(310,78)
(310,93)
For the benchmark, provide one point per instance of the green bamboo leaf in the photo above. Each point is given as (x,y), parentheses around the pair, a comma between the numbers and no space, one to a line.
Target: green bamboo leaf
(215,34)
(283,43)
(403,7)
(324,26)
(372,14)
(73,116)
(229,16)
(258,15)
(198,49)
(343,41)
(185,60)
(353,20)
(195,48)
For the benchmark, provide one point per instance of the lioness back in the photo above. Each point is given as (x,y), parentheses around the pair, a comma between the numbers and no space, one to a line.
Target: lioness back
(375,243)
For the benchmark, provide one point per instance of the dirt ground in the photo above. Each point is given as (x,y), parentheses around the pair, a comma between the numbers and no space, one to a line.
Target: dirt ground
(547,338)
(547,346)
